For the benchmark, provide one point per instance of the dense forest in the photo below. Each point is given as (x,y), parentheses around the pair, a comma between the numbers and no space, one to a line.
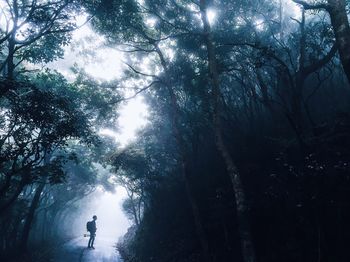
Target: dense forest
(246,151)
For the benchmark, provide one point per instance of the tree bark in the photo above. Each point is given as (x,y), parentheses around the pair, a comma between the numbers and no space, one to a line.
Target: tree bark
(341,28)
(134,212)
(43,226)
(30,216)
(10,63)
(247,247)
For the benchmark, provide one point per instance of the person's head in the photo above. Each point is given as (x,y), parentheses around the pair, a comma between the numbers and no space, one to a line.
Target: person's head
(94,217)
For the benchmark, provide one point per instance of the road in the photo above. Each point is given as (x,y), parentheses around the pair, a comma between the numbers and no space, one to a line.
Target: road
(76,251)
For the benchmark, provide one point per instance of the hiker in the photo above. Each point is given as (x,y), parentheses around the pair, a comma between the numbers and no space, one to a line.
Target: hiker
(91,227)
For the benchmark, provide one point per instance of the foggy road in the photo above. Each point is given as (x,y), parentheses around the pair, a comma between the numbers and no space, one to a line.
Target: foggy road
(76,251)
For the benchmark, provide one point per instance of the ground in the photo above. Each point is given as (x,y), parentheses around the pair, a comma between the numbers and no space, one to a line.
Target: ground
(76,251)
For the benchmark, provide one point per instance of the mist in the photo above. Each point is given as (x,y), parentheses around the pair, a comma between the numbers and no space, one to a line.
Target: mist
(107,206)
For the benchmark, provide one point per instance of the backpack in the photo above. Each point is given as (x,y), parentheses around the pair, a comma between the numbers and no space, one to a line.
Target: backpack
(89,226)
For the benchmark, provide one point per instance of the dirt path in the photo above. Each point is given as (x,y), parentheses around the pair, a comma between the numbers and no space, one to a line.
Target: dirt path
(76,251)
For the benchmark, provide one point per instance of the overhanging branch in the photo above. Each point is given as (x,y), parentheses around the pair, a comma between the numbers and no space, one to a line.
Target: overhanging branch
(134,95)
(308,6)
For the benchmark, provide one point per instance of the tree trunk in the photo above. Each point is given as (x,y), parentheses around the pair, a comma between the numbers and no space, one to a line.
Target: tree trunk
(131,196)
(139,207)
(299,79)
(43,226)
(10,63)
(30,216)
(281,11)
(9,202)
(184,166)
(341,28)
(248,252)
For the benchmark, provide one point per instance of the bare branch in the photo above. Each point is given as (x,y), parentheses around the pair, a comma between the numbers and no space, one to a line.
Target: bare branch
(139,72)
(134,95)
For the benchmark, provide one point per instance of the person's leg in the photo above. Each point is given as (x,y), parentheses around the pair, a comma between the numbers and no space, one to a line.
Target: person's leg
(93,240)
(90,240)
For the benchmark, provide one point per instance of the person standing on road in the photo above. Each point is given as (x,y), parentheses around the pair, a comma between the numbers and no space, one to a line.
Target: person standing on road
(91,227)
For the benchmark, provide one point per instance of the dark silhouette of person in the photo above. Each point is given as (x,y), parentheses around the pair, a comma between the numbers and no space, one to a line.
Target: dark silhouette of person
(92,229)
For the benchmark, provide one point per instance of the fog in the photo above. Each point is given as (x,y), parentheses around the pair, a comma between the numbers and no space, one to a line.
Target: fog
(111,221)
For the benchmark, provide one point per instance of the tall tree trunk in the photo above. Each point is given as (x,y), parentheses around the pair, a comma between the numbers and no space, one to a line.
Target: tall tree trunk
(133,206)
(43,226)
(281,11)
(248,251)
(30,216)
(10,67)
(139,206)
(341,28)
(184,165)
(12,42)
(299,79)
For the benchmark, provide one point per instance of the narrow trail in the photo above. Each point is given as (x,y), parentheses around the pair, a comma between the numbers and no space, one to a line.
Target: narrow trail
(76,251)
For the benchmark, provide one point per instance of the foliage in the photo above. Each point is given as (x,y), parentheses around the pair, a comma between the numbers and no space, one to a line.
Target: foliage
(34,31)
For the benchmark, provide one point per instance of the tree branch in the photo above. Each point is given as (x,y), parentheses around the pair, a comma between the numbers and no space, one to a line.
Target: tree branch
(139,72)
(134,95)
(320,63)
(308,6)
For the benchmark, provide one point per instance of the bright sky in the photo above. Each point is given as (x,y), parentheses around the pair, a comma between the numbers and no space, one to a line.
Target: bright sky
(133,116)
(105,64)
(291,8)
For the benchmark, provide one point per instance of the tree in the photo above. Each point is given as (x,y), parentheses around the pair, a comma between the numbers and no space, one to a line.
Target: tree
(340,23)
(293,69)
(39,119)
(35,32)
(248,251)
(132,171)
